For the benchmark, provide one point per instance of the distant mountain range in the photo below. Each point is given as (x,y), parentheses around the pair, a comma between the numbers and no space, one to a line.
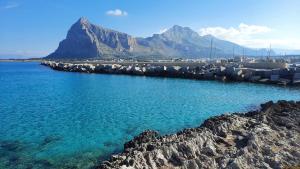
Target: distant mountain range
(86,40)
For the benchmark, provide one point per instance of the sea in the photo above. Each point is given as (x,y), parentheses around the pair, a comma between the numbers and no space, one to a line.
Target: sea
(55,119)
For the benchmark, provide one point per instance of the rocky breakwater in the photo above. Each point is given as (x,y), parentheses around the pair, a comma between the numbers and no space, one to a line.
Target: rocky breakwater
(204,71)
(266,138)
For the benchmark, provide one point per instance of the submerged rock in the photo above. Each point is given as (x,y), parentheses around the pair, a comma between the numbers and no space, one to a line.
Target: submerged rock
(11,145)
(50,139)
(265,138)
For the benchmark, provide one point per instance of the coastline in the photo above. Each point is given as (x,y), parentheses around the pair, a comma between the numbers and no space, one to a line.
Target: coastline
(20,60)
(266,138)
(49,141)
(193,70)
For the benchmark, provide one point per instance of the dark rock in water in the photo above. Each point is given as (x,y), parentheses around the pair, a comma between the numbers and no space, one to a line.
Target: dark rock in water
(110,144)
(42,163)
(15,154)
(265,138)
(70,167)
(14,146)
(14,158)
(130,130)
(50,139)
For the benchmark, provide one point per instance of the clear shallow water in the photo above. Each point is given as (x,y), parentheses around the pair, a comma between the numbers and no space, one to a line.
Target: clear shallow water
(58,119)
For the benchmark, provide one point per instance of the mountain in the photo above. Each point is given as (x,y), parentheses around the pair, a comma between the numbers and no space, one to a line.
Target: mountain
(85,40)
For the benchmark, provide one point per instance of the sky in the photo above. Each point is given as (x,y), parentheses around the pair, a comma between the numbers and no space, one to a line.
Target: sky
(34,28)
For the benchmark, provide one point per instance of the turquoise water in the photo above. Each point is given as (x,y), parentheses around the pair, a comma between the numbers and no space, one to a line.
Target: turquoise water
(61,119)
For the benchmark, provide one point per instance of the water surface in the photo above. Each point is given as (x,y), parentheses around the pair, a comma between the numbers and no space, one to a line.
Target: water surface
(61,119)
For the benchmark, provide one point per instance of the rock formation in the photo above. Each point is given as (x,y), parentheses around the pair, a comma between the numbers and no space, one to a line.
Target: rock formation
(196,70)
(266,138)
(85,40)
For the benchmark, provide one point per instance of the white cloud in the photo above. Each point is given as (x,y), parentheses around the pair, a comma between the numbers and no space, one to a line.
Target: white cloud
(251,36)
(162,30)
(116,12)
(11,5)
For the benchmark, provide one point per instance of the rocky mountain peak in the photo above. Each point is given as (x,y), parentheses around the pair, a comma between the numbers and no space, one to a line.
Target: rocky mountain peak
(81,23)
(178,28)
(83,20)
(178,33)
(87,40)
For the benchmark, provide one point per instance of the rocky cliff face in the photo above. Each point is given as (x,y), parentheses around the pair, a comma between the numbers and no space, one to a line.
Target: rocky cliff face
(267,138)
(85,40)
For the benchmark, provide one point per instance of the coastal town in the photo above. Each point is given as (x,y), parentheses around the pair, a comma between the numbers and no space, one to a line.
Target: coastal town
(269,71)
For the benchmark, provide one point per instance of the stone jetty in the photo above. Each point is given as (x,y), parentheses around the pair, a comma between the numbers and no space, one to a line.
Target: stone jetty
(266,138)
(192,70)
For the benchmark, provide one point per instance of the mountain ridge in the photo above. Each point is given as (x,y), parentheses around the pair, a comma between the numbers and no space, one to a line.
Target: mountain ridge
(85,40)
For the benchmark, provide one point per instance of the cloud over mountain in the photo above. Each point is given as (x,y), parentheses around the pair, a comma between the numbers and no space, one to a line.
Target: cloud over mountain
(116,12)
(255,36)
(244,34)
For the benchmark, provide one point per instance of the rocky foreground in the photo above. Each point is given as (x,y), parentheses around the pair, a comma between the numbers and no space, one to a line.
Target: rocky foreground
(266,138)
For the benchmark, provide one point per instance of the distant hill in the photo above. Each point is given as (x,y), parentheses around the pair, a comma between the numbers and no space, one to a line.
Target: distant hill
(86,40)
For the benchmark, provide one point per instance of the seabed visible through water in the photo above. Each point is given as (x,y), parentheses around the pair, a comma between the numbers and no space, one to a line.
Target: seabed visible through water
(52,119)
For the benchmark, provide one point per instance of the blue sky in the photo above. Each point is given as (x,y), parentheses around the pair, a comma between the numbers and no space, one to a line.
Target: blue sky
(35,27)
